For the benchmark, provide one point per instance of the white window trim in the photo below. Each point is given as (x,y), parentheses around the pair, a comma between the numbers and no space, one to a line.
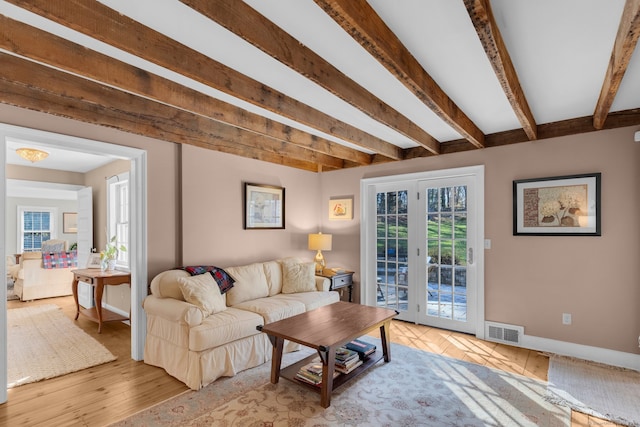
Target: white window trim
(122,177)
(20,222)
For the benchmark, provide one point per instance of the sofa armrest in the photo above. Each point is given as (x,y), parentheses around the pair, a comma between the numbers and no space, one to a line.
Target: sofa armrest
(173,310)
(322,283)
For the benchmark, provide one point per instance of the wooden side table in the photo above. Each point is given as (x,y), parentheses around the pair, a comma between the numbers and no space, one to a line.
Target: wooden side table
(339,280)
(98,279)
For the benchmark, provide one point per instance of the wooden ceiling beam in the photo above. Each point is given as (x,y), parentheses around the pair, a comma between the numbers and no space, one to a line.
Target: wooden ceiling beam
(107,25)
(360,21)
(247,23)
(623,47)
(558,129)
(29,85)
(35,44)
(493,44)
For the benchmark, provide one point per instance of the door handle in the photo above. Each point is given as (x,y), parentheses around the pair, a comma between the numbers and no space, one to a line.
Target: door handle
(470,256)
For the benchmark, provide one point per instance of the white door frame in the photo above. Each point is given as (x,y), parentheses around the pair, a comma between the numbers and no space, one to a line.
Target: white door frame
(138,251)
(367,197)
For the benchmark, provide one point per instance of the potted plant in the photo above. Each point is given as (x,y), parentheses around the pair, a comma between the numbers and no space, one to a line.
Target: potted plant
(110,253)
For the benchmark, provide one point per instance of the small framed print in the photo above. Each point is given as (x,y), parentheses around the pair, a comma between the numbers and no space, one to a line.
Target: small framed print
(341,208)
(94,261)
(557,206)
(69,222)
(263,206)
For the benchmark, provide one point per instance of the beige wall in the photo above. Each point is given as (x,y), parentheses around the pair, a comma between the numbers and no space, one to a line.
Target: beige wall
(212,209)
(162,174)
(27,173)
(529,281)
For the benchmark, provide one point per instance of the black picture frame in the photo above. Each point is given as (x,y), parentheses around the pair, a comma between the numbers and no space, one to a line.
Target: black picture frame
(566,205)
(264,207)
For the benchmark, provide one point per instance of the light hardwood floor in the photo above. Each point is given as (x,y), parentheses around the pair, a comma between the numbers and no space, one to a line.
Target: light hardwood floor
(110,392)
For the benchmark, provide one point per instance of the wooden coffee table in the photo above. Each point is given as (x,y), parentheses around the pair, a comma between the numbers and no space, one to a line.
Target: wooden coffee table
(325,329)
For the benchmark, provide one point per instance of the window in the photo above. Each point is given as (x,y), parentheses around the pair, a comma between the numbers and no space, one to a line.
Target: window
(36,225)
(118,215)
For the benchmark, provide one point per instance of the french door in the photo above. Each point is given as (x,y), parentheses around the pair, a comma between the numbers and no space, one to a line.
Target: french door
(421,253)
(448,242)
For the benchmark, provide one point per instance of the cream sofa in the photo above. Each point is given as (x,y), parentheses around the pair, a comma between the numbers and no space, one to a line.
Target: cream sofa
(197,348)
(34,281)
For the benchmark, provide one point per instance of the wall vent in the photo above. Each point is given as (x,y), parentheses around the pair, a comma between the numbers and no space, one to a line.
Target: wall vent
(500,332)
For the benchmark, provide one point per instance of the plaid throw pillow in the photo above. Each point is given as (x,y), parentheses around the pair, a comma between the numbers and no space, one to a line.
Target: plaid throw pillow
(224,281)
(60,260)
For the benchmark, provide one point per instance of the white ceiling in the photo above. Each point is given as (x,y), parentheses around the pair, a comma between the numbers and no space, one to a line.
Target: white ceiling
(58,159)
(560,50)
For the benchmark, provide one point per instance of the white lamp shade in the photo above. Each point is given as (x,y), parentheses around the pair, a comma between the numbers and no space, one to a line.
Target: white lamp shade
(320,242)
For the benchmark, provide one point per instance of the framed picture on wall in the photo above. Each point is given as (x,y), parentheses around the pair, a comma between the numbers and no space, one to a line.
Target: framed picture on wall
(557,206)
(341,208)
(263,206)
(69,222)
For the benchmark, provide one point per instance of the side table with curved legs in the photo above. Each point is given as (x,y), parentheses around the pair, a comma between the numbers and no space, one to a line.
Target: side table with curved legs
(99,279)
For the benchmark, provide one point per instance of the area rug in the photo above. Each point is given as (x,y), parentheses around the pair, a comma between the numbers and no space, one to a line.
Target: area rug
(602,391)
(43,343)
(415,389)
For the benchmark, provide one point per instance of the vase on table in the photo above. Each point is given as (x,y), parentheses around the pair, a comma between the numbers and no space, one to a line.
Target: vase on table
(108,264)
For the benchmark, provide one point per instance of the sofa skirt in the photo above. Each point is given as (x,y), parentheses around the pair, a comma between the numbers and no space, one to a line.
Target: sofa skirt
(198,369)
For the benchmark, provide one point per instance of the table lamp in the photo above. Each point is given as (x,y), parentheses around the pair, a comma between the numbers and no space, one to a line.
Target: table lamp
(319,242)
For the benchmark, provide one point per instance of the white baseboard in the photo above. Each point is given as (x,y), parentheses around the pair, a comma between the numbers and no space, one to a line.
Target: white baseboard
(595,354)
(116,310)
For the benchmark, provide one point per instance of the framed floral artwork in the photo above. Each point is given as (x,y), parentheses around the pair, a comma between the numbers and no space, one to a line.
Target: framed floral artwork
(557,206)
(341,208)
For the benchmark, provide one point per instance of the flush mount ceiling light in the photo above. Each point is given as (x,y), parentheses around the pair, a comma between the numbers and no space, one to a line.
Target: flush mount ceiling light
(32,154)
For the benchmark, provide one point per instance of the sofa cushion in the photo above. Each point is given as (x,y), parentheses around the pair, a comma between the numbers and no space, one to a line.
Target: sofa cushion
(203,292)
(166,285)
(31,255)
(225,327)
(224,281)
(50,246)
(250,283)
(273,273)
(298,277)
(272,309)
(311,300)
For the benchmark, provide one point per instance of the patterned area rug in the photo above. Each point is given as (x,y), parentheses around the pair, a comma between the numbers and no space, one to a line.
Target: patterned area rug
(416,389)
(603,391)
(44,343)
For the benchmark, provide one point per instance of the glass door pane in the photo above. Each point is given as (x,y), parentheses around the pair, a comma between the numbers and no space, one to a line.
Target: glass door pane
(446,255)
(392,246)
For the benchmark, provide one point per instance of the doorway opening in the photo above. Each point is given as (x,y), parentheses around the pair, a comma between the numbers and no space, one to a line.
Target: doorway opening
(138,230)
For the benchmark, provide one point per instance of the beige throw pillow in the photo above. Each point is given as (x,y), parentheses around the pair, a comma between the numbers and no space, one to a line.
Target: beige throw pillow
(203,291)
(298,277)
(250,283)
